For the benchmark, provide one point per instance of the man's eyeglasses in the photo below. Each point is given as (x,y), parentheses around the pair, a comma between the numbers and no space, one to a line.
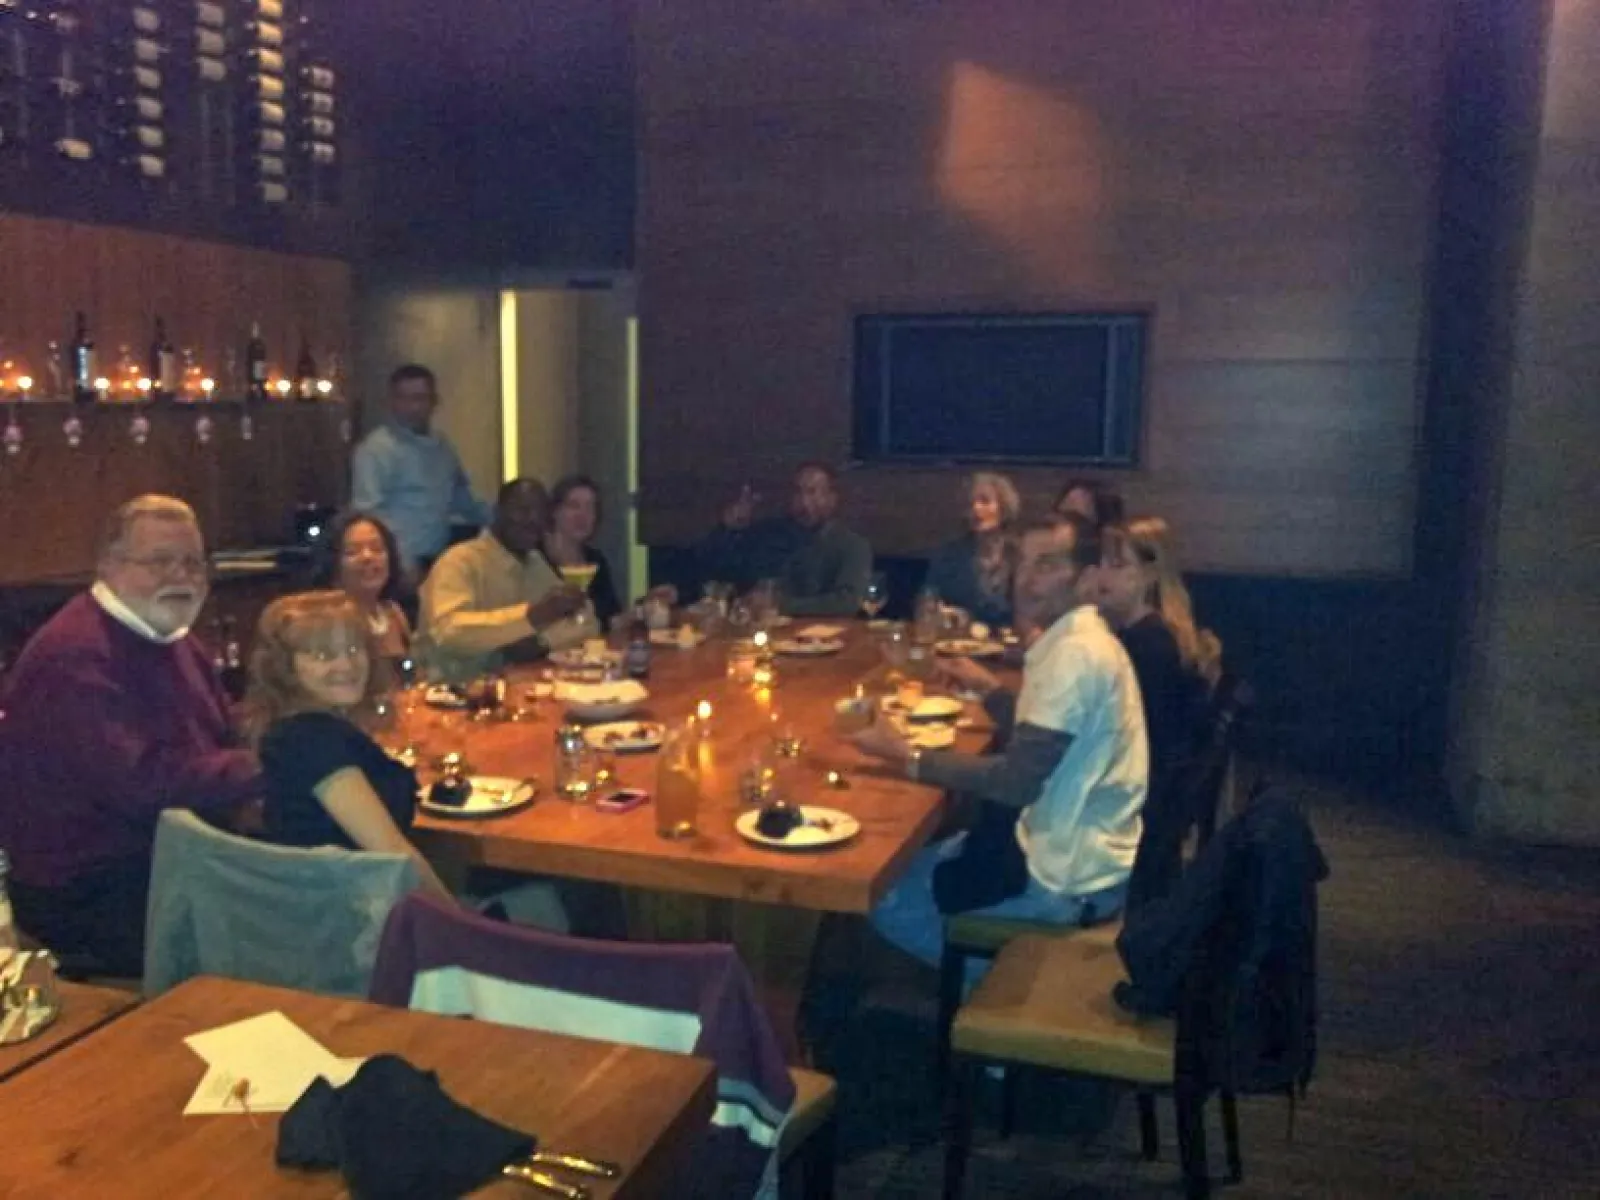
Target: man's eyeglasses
(170,564)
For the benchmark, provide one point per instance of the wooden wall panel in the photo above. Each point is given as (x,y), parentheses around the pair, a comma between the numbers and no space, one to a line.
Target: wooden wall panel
(1261,175)
(208,293)
(54,498)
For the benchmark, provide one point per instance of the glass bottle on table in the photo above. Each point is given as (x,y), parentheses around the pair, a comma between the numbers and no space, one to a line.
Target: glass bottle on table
(678,781)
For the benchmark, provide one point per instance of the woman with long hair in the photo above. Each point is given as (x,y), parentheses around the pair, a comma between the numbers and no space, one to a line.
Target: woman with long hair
(312,679)
(1143,597)
(975,570)
(362,560)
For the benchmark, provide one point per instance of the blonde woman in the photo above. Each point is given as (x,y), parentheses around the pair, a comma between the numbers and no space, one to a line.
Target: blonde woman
(327,782)
(975,570)
(1143,597)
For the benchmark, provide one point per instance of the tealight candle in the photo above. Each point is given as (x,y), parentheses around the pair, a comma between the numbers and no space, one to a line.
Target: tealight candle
(702,711)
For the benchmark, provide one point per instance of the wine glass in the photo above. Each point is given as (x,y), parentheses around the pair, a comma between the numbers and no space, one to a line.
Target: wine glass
(876,597)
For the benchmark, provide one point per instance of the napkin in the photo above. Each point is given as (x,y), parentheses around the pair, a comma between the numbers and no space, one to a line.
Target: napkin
(395,1134)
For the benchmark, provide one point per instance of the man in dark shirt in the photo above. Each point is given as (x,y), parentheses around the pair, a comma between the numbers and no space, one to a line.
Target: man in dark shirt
(113,714)
(822,567)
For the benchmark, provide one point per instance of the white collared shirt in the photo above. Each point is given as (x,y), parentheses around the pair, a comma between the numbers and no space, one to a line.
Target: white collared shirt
(1080,836)
(118,610)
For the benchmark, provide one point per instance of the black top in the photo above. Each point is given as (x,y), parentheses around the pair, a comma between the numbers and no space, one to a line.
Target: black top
(1174,696)
(299,752)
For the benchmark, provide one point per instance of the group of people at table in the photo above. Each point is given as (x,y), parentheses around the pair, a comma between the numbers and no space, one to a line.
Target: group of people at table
(114,712)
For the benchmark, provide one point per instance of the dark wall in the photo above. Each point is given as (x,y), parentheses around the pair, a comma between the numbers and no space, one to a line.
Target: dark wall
(498,133)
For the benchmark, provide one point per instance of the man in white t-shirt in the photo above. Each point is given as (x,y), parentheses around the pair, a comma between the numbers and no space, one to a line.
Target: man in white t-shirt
(1075,767)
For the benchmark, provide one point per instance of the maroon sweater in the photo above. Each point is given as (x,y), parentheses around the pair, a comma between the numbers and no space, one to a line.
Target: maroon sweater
(101,729)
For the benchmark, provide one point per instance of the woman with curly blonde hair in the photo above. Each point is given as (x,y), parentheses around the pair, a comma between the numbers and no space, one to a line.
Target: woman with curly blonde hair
(312,677)
(975,571)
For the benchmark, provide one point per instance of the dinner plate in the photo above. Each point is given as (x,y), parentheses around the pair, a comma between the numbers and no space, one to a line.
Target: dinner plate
(808,649)
(931,737)
(626,737)
(443,696)
(930,708)
(492,796)
(574,658)
(670,638)
(969,648)
(824,827)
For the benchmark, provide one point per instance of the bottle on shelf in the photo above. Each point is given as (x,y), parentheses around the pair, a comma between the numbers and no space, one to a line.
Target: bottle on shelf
(163,365)
(305,373)
(82,364)
(255,365)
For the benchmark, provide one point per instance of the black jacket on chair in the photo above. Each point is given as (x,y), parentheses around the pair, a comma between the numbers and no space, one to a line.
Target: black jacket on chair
(1231,952)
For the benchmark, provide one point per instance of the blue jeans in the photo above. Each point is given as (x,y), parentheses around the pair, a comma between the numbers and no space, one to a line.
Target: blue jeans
(908,917)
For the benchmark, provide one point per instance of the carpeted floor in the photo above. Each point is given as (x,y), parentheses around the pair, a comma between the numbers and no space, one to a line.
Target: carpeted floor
(1460,991)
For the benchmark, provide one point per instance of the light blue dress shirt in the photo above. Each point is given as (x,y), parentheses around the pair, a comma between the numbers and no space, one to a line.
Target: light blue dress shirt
(414,483)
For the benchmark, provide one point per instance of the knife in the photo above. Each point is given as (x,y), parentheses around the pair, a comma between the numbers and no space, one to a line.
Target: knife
(547,1184)
(594,1167)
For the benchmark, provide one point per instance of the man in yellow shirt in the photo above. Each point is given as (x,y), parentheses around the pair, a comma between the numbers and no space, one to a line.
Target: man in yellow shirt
(496,599)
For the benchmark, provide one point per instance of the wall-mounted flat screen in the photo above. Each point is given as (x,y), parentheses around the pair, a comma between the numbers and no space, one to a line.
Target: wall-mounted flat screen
(1000,387)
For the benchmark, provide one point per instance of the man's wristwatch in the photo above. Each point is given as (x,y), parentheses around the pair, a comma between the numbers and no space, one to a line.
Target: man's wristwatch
(914,764)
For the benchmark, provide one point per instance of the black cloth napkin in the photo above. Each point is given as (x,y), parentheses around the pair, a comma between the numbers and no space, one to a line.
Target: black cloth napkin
(396,1135)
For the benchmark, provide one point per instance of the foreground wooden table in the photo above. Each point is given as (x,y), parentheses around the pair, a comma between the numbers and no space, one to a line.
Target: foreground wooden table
(83,1010)
(104,1116)
(554,837)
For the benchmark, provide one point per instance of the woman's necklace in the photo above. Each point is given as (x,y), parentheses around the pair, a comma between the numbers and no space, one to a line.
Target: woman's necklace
(378,621)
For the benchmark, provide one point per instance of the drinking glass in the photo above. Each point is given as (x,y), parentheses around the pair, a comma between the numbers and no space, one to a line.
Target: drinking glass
(876,597)
(720,596)
(765,602)
(742,658)
(678,784)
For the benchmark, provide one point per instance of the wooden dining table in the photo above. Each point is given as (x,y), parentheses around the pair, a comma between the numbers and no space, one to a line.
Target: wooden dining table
(104,1116)
(556,837)
(84,1008)
(715,884)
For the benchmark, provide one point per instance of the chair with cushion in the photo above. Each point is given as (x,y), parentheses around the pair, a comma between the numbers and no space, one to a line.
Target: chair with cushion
(1194,807)
(1230,954)
(689,999)
(226,905)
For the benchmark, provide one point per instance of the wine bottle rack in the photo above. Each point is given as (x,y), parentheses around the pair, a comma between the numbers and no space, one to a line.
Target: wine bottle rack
(211,117)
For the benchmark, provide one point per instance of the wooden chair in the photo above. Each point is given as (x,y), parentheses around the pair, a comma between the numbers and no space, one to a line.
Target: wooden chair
(1047,1004)
(809,1141)
(972,935)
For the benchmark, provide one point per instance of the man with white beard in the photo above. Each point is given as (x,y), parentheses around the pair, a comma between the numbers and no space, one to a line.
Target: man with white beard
(112,714)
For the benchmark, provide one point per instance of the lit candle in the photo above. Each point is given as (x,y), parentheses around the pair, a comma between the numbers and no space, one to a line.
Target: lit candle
(760,639)
(208,385)
(702,711)
(284,387)
(325,387)
(144,384)
(24,385)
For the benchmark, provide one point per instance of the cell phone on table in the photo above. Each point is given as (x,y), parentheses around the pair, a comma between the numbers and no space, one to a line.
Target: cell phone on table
(622,800)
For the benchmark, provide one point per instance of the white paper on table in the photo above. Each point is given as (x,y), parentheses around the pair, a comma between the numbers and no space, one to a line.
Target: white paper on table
(821,633)
(277,1059)
(216,1095)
